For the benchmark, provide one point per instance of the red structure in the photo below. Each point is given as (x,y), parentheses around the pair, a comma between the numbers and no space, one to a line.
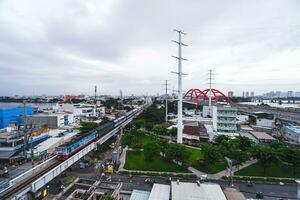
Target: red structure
(198,93)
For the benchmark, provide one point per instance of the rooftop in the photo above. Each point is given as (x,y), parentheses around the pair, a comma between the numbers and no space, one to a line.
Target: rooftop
(295,129)
(160,192)
(140,195)
(261,135)
(233,194)
(193,191)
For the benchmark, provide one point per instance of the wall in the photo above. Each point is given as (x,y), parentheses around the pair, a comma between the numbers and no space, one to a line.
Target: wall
(265,122)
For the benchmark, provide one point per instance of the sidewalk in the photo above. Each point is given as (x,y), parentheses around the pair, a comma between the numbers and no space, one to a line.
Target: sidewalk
(220,174)
(122,159)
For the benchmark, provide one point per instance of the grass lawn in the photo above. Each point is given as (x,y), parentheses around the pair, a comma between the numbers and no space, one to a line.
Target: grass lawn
(143,139)
(272,171)
(195,155)
(135,160)
(211,169)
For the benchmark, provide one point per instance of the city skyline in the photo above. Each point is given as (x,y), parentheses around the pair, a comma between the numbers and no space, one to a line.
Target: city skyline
(107,44)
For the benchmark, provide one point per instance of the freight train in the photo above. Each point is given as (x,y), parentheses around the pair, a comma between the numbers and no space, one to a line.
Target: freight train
(70,148)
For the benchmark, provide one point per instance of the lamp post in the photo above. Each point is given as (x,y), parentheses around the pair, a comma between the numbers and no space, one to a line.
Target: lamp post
(229,162)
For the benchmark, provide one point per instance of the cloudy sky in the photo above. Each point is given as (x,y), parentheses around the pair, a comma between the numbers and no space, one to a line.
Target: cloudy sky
(68,46)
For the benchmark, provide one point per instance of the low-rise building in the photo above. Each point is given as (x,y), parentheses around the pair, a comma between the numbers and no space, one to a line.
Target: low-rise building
(11,112)
(50,120)
(292,133)
(160,192)
(191,131)
(87,189)
(262,137)
(224,119)
(264,119)
(199,191)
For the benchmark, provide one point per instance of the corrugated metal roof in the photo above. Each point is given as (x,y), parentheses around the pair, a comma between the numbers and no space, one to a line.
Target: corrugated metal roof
(160,192)
(191,191)
(139,195)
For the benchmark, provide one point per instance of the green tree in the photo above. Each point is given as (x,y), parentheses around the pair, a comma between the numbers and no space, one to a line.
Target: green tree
(177,153)
(173,132)
(128,139)
(108,197)
(139,123)
(211,154)
(151,149)
(266,155)
(291,155)
(87,126)
(159,129)
(164,145)
(219,139)
(244,142)
(239,156)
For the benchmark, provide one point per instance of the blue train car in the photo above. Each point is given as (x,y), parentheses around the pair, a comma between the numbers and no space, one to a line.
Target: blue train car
(70,148)
(67,150)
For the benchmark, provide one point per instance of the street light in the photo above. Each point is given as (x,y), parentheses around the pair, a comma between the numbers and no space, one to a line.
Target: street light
(229,162)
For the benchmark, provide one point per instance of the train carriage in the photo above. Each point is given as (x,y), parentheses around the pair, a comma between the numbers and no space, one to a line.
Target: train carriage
(67,150)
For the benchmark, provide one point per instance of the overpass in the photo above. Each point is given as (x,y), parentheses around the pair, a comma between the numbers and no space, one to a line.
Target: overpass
(30,183)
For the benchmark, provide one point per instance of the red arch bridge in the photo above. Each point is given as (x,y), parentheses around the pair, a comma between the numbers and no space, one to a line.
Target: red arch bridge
(197,94)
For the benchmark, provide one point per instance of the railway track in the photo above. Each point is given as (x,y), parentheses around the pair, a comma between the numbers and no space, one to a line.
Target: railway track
(9,194)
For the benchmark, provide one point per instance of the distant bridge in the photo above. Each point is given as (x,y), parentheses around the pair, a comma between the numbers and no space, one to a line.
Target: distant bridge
(197,94)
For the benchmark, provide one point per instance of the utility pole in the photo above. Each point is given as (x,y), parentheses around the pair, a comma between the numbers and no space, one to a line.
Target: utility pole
(25,128)
(121,97)
(179,58)
(209,103)
(166,99)
(95,100)
(209,95)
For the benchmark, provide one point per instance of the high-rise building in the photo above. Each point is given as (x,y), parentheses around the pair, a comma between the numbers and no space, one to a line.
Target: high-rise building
(252,94)
(244,94)
(224,119)
(247,94)
(230,94)
(278,94)
(290,94)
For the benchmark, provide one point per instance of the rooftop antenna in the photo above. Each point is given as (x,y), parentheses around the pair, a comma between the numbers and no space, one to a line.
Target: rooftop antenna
(179,58)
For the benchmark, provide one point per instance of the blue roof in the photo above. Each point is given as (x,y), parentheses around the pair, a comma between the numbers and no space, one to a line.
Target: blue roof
(295,129)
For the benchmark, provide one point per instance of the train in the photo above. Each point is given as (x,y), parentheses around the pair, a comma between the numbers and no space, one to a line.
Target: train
(68,149)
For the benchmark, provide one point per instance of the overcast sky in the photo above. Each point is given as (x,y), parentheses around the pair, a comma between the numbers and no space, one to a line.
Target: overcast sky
(68,46)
